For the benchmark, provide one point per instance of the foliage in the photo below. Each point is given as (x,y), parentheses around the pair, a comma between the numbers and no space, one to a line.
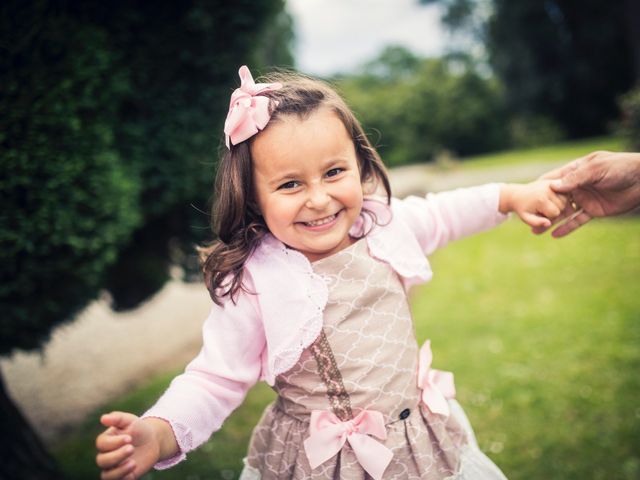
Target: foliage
(112,113)
(532,130)
(423,106)
(630,124)
(542,335)
(561,60)
(69,201)
(183,63)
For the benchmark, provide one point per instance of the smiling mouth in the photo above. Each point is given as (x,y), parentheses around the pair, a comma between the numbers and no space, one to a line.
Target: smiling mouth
(322,221)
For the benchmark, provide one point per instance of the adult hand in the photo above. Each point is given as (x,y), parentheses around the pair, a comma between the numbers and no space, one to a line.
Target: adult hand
(601,184)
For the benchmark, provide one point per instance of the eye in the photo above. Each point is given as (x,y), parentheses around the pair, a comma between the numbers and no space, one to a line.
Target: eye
(334,171)
(288,185)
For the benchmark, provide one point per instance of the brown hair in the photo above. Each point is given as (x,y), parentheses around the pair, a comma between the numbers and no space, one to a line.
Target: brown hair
(236,219)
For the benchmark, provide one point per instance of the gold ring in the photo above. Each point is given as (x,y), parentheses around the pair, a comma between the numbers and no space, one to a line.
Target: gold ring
(573,204)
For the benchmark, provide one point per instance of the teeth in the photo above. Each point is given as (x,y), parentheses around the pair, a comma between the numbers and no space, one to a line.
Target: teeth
(316,223)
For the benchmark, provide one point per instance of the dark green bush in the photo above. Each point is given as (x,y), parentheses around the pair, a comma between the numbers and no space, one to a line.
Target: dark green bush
(68,200)
(112,114)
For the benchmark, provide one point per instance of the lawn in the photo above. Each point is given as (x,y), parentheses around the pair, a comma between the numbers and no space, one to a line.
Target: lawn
(543,336)
(550,153)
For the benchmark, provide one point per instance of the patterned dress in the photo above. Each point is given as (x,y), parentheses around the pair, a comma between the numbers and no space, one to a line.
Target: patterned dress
(365,358)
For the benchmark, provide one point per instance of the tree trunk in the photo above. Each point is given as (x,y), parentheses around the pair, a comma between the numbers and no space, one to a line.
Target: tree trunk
(23,456)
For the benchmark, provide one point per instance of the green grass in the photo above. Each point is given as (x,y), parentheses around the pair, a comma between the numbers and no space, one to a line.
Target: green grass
(552,153)
(543,336)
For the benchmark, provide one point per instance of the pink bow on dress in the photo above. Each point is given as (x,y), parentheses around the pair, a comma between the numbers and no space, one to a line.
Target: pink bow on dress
(328,435)
(437,386)
(248,110)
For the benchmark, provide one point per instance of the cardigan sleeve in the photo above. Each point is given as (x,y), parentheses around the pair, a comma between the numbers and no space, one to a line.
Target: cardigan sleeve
(216,382)
(443,217)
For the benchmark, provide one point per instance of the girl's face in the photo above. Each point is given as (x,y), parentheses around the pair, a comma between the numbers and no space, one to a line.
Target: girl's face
(307,182)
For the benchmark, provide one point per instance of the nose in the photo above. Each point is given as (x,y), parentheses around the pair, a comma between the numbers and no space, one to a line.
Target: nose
(318,196)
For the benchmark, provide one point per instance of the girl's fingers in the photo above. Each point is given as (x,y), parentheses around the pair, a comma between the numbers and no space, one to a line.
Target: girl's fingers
(108,441)
(114,458)
(551,211)
(535,221)
(565,212)
(121,472)
(560,201)
(117,419)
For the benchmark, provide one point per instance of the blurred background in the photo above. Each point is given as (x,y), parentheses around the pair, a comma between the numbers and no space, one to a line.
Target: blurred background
(110,128)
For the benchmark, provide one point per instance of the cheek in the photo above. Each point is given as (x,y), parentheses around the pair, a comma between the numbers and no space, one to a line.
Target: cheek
(353,195)
(279,212)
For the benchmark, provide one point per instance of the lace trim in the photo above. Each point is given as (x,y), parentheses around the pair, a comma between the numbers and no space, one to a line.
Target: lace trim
(249,472)
(310,327)
(475,465)
(184,439)
(332,378)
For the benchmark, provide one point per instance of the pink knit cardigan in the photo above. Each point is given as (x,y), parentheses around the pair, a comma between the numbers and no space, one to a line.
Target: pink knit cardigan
(263,335)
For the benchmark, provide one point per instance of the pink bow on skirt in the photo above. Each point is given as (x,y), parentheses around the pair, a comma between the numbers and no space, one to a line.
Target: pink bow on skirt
(437,385)
(328,435)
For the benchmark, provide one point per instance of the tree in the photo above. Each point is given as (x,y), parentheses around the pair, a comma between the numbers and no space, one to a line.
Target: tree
(560,59)
(69,201)
(111,118)
(183,60)
(566,60)
(421,107)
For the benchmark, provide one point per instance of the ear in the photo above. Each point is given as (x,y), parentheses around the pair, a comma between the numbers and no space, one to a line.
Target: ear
(369,187)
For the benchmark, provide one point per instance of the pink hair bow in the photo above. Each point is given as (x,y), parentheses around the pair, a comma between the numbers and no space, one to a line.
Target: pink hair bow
(437,386)
(328,435)
(248,110)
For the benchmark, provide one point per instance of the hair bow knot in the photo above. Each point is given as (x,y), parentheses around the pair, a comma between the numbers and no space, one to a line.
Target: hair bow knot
(248,109)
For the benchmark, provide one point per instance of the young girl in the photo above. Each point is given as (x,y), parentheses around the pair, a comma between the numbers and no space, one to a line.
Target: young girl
(309,281)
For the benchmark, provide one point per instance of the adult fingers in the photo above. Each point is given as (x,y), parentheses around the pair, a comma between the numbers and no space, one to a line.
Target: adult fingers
(577,173)
(574,222)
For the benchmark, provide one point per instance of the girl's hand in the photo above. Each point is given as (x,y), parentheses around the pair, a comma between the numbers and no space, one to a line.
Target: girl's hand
(128,448)
(535,203)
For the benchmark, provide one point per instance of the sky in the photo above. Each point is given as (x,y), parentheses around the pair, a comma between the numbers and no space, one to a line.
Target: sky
(337,35)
